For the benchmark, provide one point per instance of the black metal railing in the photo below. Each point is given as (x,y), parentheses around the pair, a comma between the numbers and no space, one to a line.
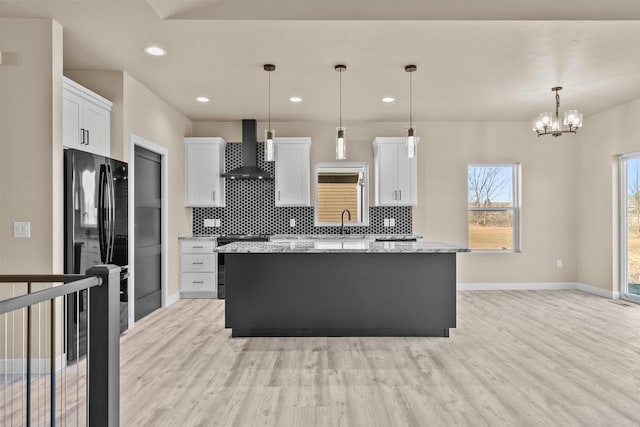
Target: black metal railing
(96,385)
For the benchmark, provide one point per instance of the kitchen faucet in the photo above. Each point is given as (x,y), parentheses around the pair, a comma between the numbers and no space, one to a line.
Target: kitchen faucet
(342,220)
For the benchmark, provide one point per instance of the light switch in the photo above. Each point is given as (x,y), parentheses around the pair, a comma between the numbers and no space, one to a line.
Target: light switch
(292,222)
(386,222)
(217,222)
(209,222)
(392,222)
(22,230)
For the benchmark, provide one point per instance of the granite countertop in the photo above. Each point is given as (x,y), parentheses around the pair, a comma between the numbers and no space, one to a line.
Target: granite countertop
(344,246)
(344,237)
(200,237)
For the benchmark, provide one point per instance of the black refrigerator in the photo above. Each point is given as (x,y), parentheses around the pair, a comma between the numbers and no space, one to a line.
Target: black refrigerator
(96,225)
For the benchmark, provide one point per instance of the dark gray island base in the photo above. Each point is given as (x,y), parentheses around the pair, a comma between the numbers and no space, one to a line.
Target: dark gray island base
(339,294)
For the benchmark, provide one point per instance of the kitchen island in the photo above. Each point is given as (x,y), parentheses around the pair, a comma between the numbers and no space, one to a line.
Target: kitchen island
(340,288)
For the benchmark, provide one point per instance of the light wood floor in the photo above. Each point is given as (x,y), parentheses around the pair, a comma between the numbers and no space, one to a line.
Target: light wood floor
(517,358)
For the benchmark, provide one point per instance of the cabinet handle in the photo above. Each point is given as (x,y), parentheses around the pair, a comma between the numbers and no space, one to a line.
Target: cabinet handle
(198,247)
(214,195)
(395,194)
(87,136)
(198,281)
(400,197)
(198,263)
(278,195)
(82,142)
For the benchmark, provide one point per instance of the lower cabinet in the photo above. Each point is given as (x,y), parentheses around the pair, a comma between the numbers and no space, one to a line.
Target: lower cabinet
(198,269)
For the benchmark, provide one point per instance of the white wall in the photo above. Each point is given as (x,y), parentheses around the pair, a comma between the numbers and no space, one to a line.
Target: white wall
(31,164)
(31,175)
(548,189)
(604,136)
(149,117)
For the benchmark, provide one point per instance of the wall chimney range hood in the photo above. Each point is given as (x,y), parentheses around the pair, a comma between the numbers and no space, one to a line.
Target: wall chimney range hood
(248,168)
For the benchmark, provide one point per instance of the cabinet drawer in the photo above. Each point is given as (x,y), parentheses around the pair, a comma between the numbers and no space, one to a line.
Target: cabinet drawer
(194,282)
(194,263)
(198,247)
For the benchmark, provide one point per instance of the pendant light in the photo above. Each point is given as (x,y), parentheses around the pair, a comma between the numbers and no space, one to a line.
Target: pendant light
(549,123)
(411,139)
(269,133)
(341,140)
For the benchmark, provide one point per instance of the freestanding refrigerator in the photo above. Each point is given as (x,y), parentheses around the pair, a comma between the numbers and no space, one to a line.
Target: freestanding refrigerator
(95,232)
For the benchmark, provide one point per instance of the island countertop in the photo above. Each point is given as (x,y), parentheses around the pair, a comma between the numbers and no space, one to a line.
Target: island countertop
(341,246)
(390,237)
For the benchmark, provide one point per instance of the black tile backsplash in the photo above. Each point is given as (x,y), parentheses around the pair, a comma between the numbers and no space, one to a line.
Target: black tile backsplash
(250,208)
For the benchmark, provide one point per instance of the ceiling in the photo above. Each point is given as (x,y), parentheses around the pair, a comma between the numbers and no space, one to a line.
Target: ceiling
(497,62)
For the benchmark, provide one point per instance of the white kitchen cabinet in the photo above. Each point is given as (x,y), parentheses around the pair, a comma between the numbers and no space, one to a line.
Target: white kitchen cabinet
(86,119)
(396,175)
(198,268)
(204,162)
(292,156)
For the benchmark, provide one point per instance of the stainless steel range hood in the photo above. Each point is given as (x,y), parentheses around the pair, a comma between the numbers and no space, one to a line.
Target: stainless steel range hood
(249,168)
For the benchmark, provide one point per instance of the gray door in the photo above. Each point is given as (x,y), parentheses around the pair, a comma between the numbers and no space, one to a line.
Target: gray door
(148,248)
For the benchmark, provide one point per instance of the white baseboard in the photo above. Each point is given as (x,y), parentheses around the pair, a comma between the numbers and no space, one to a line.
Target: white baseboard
(597,291)
(172,298)
(515,286)
(19,366)
(537,286)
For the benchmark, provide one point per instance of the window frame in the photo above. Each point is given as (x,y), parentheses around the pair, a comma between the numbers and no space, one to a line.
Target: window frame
(516,180)
(623,227)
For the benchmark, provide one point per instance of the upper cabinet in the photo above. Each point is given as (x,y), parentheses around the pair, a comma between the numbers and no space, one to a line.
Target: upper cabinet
(86,119)
(396,177)
(204,162)
(292,156)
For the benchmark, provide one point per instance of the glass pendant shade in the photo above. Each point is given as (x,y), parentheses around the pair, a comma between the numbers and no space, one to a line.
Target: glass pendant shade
(411,143)
(341,144)
(546,119)
(537,124)
(573,118)
(269,155)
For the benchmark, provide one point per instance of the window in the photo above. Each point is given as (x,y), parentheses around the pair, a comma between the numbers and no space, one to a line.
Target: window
(630,226)
(340,186)
(493,205)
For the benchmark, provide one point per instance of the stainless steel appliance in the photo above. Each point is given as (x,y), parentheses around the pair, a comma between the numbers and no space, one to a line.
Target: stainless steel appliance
(230,238)
(96,225)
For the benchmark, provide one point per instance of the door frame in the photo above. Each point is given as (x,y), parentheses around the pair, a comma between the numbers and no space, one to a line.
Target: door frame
(622,218)
(135,140)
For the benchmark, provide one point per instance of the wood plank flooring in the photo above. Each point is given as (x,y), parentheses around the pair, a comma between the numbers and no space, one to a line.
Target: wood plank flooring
(517,358)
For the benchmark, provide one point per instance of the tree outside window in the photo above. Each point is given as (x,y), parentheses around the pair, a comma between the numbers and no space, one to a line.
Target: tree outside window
(493,206)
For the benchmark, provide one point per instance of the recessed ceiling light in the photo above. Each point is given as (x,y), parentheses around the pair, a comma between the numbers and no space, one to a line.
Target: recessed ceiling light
(295,99)
(202,99)
(155,50)
(388,99)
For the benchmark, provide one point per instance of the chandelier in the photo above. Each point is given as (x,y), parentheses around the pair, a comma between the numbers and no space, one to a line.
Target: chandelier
(549,123)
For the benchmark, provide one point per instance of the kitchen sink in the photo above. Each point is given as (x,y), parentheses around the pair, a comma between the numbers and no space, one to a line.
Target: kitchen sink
(342,244)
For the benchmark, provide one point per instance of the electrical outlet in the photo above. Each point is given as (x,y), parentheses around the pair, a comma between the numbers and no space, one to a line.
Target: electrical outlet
(217,220)
(22,230)
(559,263)
(292,222)
(392,222)
(386,222)
(209,222)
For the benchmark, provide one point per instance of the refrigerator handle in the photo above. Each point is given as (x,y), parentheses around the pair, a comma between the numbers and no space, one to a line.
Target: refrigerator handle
(112,214)
(101,212)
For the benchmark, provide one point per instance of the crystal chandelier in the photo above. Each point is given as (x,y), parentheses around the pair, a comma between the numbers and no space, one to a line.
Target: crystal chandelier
(549,123)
